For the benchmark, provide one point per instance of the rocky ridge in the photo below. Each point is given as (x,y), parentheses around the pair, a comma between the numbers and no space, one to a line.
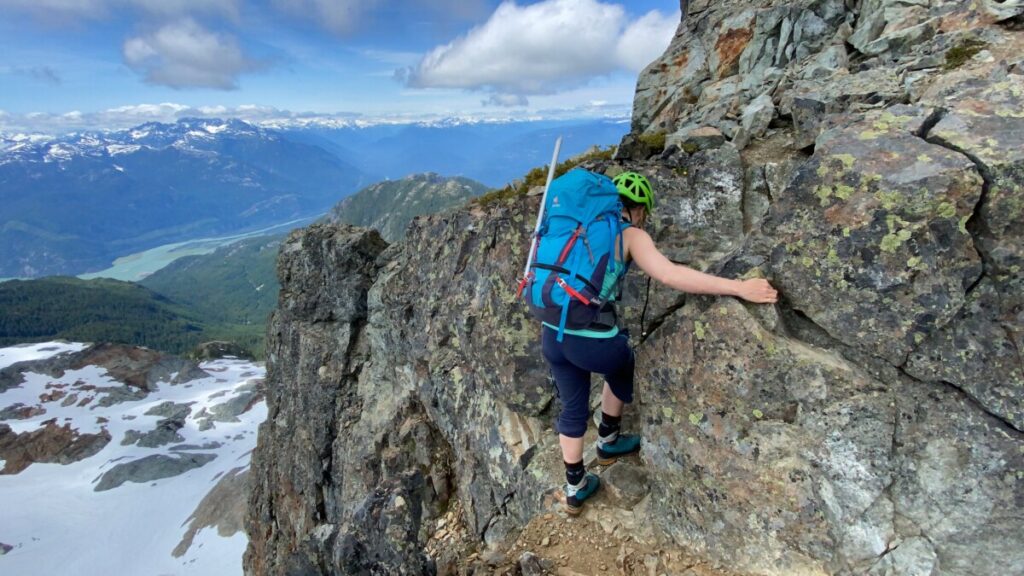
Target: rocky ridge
(865,157)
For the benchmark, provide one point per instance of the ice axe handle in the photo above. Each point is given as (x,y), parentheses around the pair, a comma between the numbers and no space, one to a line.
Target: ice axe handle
(543,204)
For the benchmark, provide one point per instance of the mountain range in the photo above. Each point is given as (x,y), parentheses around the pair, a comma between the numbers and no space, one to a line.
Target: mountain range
(71,204)
(74,203)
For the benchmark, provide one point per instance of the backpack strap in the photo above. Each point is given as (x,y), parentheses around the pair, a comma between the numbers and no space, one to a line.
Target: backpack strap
(570,293)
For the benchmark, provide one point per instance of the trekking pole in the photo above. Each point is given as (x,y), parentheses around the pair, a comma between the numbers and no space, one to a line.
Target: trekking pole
(540,217)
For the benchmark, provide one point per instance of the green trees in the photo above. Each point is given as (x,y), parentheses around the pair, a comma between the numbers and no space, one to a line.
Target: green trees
(92,311)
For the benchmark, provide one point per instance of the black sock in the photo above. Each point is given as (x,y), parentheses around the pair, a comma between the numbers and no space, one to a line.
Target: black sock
(608,430)
(574,473)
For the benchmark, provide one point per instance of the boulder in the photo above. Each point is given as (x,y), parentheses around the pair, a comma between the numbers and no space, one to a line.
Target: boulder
(755,120)
(980,352)
(695,139)
(869,236)
(626,483)
(816,106)
(219,349)
(769,454)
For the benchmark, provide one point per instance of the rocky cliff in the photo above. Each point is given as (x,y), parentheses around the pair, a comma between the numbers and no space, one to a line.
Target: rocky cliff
(868,158)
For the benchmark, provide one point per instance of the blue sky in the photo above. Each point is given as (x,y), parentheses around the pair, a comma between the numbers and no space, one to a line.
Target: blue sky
(71,64)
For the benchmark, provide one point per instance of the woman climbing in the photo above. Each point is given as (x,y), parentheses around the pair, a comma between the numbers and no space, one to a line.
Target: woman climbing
(602,348)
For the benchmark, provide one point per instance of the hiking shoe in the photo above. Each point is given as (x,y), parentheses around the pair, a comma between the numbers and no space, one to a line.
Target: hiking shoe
(574,497)
(624,445)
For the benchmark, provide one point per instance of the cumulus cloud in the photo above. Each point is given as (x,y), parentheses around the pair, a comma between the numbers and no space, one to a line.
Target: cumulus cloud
(183,54)
(545,47)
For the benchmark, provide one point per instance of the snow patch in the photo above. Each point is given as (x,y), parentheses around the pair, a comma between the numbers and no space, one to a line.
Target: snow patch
(215,129)
(39,351)
(115,149)
(59,152)
(53,518)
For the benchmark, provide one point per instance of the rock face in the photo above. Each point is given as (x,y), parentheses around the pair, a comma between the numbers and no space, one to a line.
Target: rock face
(866,157)
(50,443)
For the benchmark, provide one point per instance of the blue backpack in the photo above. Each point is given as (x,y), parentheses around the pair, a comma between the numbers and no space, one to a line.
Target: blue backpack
(576,244)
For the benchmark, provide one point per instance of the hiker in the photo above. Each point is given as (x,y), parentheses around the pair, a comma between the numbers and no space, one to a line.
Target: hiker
(603,347)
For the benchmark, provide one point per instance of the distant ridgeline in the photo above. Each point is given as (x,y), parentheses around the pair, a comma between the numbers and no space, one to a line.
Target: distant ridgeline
(389,206)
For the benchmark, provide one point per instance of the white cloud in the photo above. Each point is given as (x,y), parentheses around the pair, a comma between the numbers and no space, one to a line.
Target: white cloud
(544,48)
(56,8)
(130,116)
(148,110)
(183,54)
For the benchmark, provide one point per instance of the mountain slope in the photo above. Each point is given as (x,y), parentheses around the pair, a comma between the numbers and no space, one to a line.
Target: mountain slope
(100,310)
(105,310)
(235,283)
(389,206)
(235,288)
(72,204)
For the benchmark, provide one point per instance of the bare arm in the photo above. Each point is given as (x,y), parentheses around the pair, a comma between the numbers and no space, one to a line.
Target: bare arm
(642,250)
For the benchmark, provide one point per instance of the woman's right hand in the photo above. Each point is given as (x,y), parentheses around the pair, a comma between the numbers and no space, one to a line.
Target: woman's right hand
(758,291)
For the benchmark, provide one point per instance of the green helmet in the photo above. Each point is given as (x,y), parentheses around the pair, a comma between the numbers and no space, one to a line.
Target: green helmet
(635,187)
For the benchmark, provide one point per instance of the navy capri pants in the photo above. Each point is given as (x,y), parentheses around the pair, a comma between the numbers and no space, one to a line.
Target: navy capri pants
(573,360)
